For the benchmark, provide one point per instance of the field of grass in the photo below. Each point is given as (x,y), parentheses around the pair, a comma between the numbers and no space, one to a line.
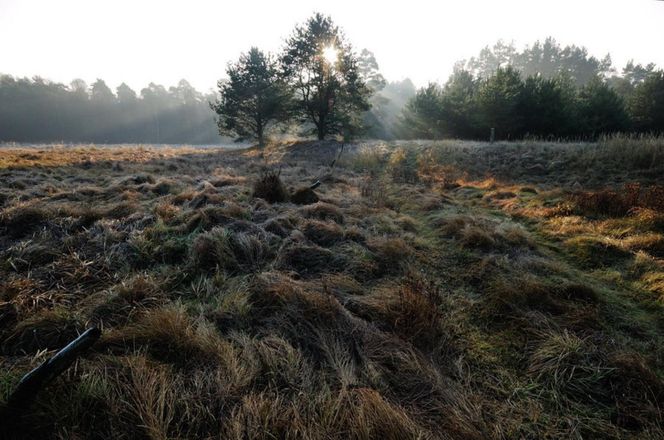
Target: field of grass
(426,290)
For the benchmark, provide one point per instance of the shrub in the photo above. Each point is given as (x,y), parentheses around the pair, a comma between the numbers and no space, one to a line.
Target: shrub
(403,166)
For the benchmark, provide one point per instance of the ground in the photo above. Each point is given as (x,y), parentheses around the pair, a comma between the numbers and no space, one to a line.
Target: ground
(449,290)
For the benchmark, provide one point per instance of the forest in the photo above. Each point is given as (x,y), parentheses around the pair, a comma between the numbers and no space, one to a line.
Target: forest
(544,91)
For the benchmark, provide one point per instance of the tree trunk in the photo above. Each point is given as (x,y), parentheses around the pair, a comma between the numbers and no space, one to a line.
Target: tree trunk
(321,131)
(260,136)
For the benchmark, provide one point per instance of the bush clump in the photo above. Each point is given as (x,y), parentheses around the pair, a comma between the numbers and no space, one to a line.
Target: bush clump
(403,166)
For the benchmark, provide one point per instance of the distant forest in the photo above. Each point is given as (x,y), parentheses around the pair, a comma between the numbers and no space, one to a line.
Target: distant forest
(544,90)
(37,110)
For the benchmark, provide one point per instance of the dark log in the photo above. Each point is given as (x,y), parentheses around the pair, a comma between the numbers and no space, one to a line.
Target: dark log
(37,379)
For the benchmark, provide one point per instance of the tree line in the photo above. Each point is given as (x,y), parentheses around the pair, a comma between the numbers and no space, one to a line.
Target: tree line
(37,110)
(544,91)
(318,85)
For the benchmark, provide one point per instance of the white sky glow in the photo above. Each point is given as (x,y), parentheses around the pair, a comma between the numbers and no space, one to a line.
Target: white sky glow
(139,41)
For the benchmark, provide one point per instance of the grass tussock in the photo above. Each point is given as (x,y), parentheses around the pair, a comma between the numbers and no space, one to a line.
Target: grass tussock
(309,260)
(592,252)
(322,233)
(21,220)
(574,366)
(270,188)
(619,203)
(127,301)
(48,330)
(230,251)
(485,234)
(323,211)
(169,335)
(304,196)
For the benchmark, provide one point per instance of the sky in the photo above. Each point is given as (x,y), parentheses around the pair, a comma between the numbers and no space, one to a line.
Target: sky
(162,41)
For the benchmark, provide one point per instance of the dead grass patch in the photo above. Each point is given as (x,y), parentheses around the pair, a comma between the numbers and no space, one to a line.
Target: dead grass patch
(48,329)
(169,335)
(322,233)
(323,211)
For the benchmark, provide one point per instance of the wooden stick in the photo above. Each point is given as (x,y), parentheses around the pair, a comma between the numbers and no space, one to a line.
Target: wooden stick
(37,379)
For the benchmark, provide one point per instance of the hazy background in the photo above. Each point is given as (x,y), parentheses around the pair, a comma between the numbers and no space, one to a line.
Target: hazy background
(164,41)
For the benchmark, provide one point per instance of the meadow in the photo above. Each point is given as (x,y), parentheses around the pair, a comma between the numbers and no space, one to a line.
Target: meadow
(425,290)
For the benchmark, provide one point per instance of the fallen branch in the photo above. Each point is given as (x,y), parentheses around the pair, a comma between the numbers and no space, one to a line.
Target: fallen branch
(37,379)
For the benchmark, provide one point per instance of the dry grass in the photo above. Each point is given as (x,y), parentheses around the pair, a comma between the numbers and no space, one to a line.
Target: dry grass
(620,202)
(430,290)
(270,188)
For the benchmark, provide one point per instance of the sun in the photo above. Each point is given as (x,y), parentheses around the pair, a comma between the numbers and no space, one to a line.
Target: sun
(330,54)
